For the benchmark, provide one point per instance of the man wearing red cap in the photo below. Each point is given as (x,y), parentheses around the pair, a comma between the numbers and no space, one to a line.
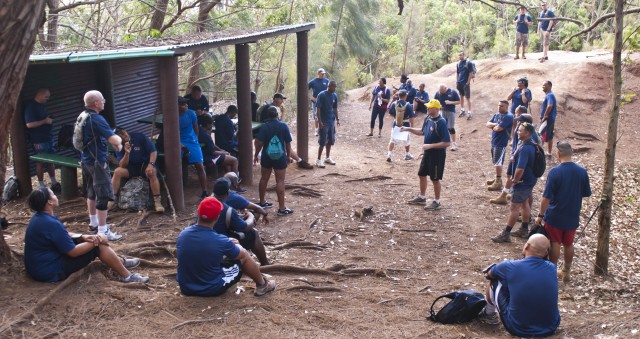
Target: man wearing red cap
(202,268)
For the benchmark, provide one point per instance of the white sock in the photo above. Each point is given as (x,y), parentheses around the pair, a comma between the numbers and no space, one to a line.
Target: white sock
(389,154)
(436,200)
(505,190)
(93,220)
(489,309)
(103,229)
(42,185)
(422,196)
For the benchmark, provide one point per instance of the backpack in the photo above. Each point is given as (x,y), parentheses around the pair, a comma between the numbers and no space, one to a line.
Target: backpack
(78,131)
(134,195)
(65,136)
(472,68)
(227,221)
(10,190)
(463,307)
(274,148)
(540,161)
(400,113)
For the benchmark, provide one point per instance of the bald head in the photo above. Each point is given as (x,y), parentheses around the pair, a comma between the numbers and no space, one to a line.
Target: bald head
(233,178)
(94,100)
(537,245)
(443,88)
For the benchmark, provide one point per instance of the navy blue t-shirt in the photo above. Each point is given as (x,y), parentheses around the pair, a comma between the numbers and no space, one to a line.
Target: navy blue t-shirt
(327,103)
(435,131)
(532,284)
(464,68)
(522,26)
(501,139)
(237,201)
(317,85)
(198,104)
(236,223)
(450,95)
(35,111)
(408,112)
(200,251)
(424,96)
(224,132)
(549,99)
(268,130)
(386,94)
(566,185)
(46,241)
(516,100)
(204,138)
(524,158)
(544,25)
(141,149)
(411,93)
(95,147)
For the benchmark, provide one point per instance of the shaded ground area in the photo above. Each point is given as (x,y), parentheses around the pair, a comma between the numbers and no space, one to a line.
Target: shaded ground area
(376,277)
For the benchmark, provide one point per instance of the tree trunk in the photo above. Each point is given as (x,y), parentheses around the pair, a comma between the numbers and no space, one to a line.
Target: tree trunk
(157,19)
(279,86)
(19,22)
(406,43)
(604,218)
(335,40)
(196,57)
(52,24)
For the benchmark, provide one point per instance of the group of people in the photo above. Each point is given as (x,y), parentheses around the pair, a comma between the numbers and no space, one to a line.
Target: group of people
(522,20)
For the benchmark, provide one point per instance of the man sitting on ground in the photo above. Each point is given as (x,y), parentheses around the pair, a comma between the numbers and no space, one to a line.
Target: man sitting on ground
(524,292)
(225,130)
(239,202)
(202,268)
(232,225)
(138,156)
(214,157)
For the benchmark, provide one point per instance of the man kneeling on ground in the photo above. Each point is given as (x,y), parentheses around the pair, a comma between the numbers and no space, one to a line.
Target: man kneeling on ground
(524,292)
(203,269)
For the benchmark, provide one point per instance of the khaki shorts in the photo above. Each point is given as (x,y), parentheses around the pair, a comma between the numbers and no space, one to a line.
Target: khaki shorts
(522,39)
(545,37)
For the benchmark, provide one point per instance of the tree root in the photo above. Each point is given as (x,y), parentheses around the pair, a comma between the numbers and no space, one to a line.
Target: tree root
(417,230)
(307,192)
(129,247)
(150,251)
(378,272)
(314,288)
(299,244)
(143,217)
(295,269)
(374,178)
(152,264)
(138,286)
(73,217)
(195,321)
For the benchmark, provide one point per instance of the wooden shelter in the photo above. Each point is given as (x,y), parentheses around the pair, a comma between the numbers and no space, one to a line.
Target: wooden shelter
(138,82)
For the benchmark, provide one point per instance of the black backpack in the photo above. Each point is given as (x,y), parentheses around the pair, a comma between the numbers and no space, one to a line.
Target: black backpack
(540,161)
(463,307)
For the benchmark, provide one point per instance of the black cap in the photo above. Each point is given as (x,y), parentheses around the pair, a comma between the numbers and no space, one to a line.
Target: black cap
(279,96)
(221,187)
(525,118)
(182,100)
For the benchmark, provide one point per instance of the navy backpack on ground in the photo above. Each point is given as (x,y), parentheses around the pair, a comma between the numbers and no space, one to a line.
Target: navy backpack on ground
(463,307)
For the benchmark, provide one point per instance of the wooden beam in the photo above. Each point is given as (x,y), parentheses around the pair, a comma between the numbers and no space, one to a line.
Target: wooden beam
(245,133)
(302,50)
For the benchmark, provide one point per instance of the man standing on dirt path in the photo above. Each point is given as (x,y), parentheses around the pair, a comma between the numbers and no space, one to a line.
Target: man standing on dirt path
(203,269)
(95,168)
(523,182)
(544,30)
(522,21)
(548,112)
(327,110)
(436,141)
(402,111)
(500,124)
(317,85)
(449,98)
(524,292)
(464,71)
(561,203)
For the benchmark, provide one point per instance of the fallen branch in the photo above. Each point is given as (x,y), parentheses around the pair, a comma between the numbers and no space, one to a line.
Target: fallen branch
(314,288)
(166,188)
(374,178)
(295,269)
(389,300)
(300,244)
(142,218)
(195,321)
(417,230)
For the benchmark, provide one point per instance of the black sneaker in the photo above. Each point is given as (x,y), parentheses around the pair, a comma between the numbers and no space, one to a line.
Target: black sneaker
(265,204)
(93,230)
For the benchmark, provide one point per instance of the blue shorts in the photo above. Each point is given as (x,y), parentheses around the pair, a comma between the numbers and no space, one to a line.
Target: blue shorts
(521,195)
(279,164)
(44,147)
(314,111)
(137,170)
(327,134)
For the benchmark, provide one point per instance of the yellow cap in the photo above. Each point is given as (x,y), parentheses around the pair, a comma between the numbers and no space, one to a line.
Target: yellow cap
(434,104)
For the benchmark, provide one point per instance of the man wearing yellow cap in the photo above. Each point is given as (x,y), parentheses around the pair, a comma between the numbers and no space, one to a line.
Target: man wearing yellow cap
(436,141)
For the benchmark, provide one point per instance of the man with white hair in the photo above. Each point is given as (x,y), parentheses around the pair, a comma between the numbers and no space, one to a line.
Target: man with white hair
(95,169)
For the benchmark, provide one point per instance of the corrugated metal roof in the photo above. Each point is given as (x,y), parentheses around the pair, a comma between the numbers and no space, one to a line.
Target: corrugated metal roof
(172,45)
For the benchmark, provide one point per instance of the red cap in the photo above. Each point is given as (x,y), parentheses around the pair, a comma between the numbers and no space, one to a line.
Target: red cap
(209,208)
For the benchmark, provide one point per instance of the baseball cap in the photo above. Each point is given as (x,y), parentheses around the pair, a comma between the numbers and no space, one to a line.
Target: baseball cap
(529,127)
(433,103)
(402,93)
(279,95)
(321,70)
(564,148)
(182,100)
(221,187)
(209,208)
(525,118)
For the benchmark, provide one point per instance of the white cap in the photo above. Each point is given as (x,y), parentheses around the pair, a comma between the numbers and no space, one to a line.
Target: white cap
(321,70)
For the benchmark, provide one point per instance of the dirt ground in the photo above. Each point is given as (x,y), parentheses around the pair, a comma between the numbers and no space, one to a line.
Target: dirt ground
(376,277)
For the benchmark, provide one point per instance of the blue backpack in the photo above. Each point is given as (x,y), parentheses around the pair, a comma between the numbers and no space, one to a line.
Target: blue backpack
(463,307)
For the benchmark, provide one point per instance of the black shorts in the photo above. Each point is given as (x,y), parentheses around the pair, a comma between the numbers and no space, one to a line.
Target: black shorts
(73,264)
(137,170)
(464,90)
(548,131)
(279,164)
(248,240)
(98,181)
(232,270)
(432,165)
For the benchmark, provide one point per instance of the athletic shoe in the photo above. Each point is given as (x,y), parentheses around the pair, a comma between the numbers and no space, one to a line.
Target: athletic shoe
(112,236)
(565,276)
(265,204)
(329,161)
(131,263)
(417,201)
(56,187)
(522,232)
(408,156)
(316,132)
(319,163)
(489,318)
(269,286)
(469,115)
(157,205)
(93,229)
(135,277)
(461,113)
(454,146)
(388,159)
(502,237)
(285,211)
(304,165)
(434,206)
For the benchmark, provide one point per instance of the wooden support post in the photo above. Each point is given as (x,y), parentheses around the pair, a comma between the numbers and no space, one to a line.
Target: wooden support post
(19,150)
(69,182)
(301,91)
(243,94)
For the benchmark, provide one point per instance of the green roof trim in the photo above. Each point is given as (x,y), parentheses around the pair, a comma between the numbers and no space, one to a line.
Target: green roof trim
(101,55)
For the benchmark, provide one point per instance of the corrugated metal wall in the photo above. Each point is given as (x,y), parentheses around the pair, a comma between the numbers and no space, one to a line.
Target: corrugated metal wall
(136,92)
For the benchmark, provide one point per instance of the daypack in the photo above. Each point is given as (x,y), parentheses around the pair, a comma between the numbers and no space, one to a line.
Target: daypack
(10,190)
(400,109)
(463,307)
(540,161)
(134,195)
(470,65)
(65,137)
(274,148)
(78,131)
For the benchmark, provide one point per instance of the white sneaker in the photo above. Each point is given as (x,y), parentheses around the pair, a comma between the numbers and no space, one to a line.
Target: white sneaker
(319,163)
(329,161)
(112,236)
(454,146)
(316,132)
(408,156)
(469,115)
(461,113)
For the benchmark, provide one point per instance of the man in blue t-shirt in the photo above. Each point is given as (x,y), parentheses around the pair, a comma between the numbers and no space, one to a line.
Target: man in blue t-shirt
(520,96)
(464,72)
(561,203)
(95,169)
(403,105)
(202,267)
(226,131)
(213,156)
(545,25)
(548,112)
(524,292)
(39,124)
(197,101)
(436,141)
(501,124)
(327,106)
(137,157)
(522,21)
(420,100)
(380,99)
(411,91)
(317,85)
(274,136)
(449,98)
(240,203)
(523,181)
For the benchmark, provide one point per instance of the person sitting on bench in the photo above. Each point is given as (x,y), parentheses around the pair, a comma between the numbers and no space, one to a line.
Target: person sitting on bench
(137,158)
(214,157)
(225,131)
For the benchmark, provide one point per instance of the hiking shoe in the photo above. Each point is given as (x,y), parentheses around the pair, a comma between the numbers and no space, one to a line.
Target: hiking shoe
(417,201)
(265,204)
(496,186)
(329,161)
(565,276)
(304,165)
(502,237)
(112,236)
(269,286)
(461,113)
(490,182)
(408,156)
(319,163)
(93,229)
(56,187)
(454,146)
(434,206)
(489,318)
(285,211)
(500,200)
(469,115)
(135,277)
(522,232)
(157,204)
(130,262)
